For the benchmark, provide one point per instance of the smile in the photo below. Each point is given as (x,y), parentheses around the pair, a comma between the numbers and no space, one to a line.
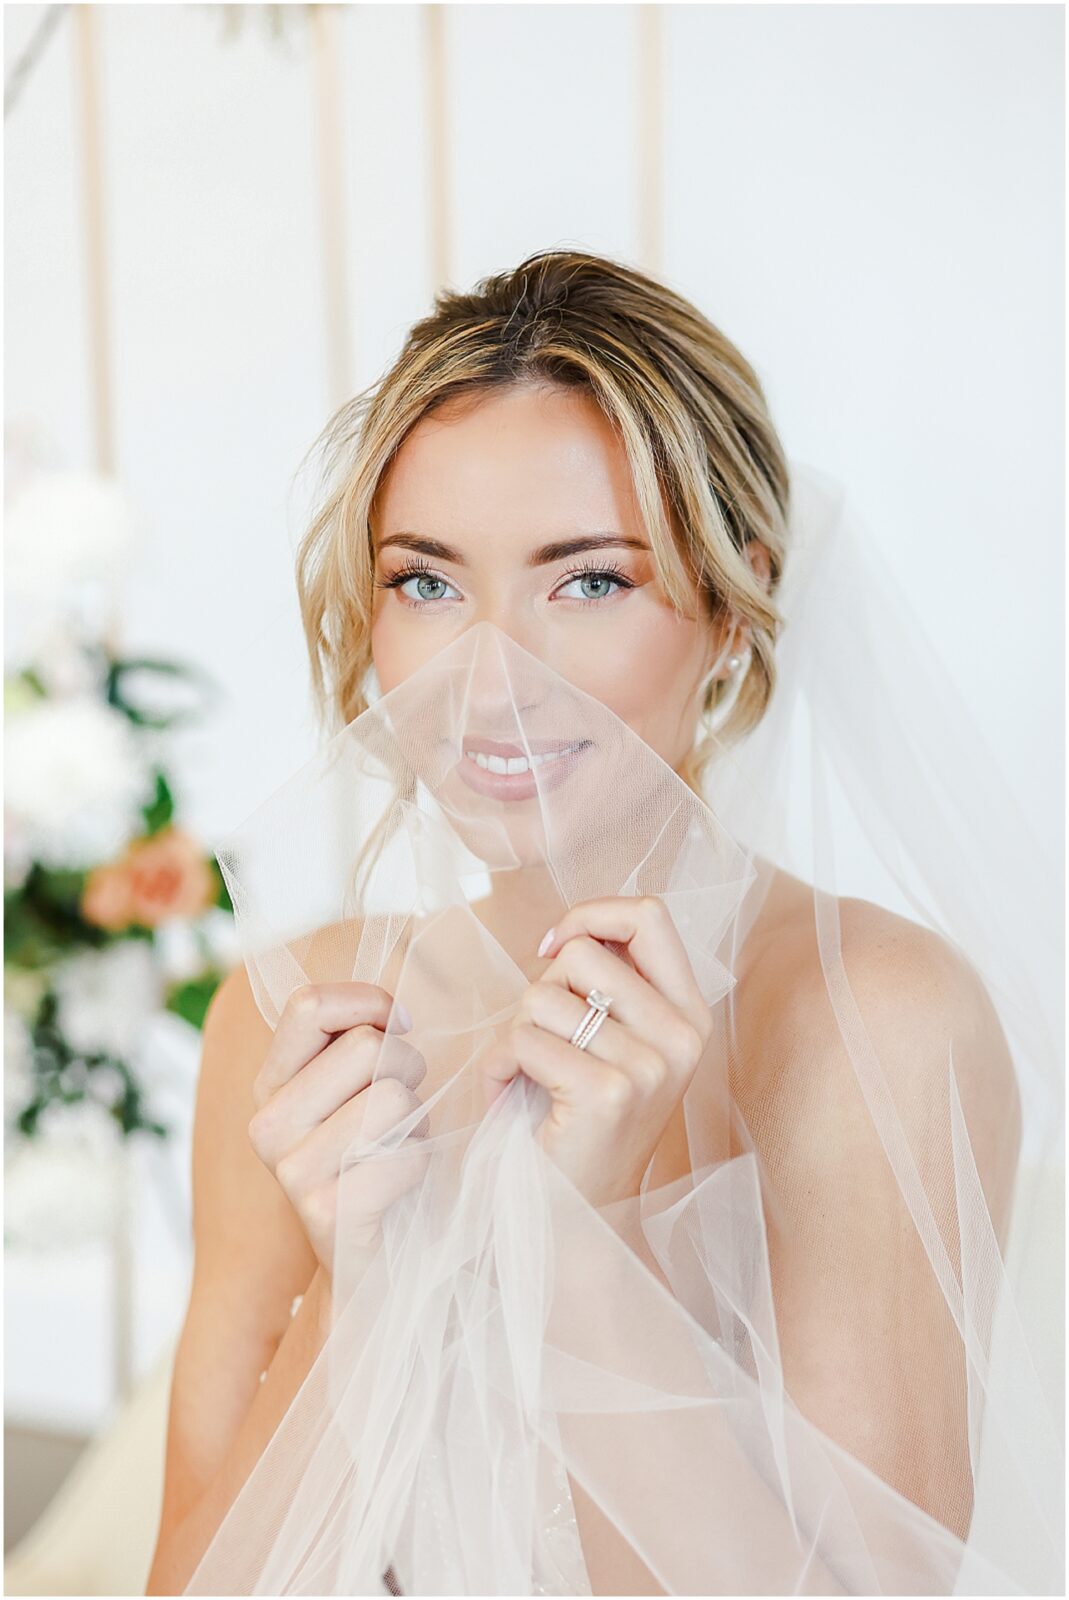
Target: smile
(511,764)
(505,772)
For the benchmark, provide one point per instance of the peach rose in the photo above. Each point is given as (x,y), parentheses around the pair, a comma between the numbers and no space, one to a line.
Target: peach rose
(106,898)
(158,878)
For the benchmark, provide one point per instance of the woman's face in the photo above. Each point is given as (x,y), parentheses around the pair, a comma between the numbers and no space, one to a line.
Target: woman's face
(520,510)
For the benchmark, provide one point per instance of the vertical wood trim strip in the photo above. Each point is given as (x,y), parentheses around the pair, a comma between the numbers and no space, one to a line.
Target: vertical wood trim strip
(437,146)
(330,149)
(87,70)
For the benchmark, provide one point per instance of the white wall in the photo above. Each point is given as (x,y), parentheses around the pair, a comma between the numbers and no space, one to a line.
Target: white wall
(868,199)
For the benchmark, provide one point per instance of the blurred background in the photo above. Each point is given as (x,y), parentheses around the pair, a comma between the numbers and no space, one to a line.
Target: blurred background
(220,221)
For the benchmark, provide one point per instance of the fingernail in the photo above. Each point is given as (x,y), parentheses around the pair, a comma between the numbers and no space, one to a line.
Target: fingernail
(546,942)
(400,1022)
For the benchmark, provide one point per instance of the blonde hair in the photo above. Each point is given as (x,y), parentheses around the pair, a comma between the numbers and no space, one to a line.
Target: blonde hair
(709,470)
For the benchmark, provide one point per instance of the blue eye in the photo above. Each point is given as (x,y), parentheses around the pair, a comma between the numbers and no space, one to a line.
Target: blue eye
(429,585)
(423,578)
(600,576)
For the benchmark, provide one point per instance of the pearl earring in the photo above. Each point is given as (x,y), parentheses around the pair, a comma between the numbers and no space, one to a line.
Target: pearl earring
(734,663)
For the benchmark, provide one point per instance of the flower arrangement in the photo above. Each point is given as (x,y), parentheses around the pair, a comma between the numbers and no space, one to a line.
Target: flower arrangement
(113,910)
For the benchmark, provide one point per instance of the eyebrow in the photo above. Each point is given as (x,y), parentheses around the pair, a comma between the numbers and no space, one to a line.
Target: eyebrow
(540,557)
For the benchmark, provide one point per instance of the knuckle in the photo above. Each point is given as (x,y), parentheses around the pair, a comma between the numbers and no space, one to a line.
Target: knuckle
(687,1042)
(287,1171)
(303,1001)
(616,1092)
(317,1209)
(363,1039)
(653,908)
(652,1072)
(261,1129)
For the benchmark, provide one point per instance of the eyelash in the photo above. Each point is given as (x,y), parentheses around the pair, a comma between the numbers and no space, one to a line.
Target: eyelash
(420,569)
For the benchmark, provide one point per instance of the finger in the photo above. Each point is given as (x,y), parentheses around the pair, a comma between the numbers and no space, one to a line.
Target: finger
(344,1068)
(560,1011)
(313,1013)
(359,1123)
(569,1074)
(644,925)
(584,964)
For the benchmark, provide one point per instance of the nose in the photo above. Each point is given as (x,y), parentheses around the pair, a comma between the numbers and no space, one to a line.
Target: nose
(515,622)
(503,617)
(502,685)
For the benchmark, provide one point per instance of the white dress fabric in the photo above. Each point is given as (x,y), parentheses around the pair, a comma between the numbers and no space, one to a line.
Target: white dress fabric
(510,1350)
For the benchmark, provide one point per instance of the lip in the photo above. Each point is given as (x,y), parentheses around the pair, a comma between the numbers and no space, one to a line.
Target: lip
(497,747)
(517,785)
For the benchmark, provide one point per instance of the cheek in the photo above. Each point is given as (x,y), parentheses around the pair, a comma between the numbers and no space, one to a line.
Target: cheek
(397,651)
(644,663)
(646,668)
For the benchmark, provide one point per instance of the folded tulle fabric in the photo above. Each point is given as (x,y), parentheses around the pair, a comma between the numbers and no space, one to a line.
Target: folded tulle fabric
(810,1356)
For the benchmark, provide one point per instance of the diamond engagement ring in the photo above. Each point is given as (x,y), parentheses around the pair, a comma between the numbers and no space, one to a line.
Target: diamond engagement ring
(599,1009)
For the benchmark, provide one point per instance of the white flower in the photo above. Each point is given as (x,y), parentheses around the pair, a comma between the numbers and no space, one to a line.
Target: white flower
(75,779)
(64,664)
(106,1084)
(61,1186)
(177,949)
(186,947)
(221,932)
(105,997)
(64,527)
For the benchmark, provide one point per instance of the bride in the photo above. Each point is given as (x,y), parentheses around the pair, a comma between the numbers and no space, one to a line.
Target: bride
(573,472)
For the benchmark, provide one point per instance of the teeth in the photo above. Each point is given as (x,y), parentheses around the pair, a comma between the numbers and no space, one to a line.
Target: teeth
(511,764)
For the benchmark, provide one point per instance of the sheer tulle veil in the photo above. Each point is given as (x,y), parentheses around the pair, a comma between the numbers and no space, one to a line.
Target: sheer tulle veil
(511,1354)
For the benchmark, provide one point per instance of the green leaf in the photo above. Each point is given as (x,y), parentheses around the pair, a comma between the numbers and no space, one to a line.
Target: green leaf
(43,919)
(117,696)
(160,809)
(190,1000)
(22,690)
(60,886)
(27,1117)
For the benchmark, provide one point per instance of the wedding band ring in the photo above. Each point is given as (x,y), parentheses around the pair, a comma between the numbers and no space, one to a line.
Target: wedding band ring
(598,1009)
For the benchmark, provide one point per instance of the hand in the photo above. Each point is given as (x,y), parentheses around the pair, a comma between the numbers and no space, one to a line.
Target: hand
(314,1096)
(611,1102)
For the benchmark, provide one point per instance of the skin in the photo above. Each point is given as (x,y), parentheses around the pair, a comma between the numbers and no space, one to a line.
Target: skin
(474,495)
(493,482)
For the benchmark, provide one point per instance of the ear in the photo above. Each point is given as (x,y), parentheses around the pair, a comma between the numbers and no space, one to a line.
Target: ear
(760,562)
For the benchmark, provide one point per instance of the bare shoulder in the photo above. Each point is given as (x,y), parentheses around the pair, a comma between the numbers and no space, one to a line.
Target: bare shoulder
(886,959)
(819,955)
(845,983)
